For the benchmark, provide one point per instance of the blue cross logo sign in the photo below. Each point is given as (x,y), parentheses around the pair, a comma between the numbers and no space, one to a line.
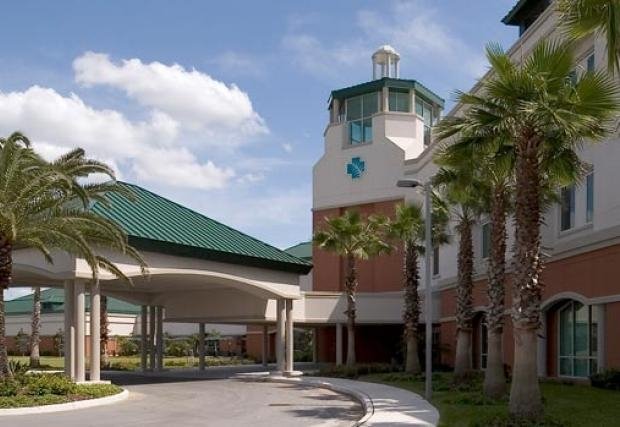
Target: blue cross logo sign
(356,167)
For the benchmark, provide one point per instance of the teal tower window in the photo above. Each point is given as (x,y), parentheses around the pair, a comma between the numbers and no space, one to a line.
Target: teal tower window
(360,110)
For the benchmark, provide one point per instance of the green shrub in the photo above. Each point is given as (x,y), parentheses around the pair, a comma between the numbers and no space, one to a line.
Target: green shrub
(9,387)
(127,346)
(357,370)
(42,384)
(178,348)
(608,379)
(510,421)
(92,391)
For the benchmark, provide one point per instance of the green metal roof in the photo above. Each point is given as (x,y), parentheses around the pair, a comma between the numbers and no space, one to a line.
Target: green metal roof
(301,250)
(513,17)
(376,85)
(52,301)
(154,223)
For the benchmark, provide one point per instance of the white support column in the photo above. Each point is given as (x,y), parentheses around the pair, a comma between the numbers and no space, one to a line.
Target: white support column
(338,344)
(69,344)
(289,336)
(385,99)
(159,361)
(265,349)
(95,331)
(80,365)
(280,316)
(201,346)
(144,338)
(151,338)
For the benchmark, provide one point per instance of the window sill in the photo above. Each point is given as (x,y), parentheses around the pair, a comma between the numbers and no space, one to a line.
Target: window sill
(361,144)
(575,230)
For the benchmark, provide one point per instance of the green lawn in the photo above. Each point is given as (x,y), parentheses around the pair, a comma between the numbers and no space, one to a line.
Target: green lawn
(565,405)
(133,362)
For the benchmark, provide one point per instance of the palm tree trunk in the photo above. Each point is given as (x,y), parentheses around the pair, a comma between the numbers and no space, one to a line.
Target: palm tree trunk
(411,314)
(464,310)
(6,267)
(494,376)
(36,328)
(351,285)
(525,397)
(104,331)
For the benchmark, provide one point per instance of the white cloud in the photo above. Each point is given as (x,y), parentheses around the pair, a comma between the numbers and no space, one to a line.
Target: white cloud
(239,63)
(412,27)
(190,97)
(57,123)
(287,147)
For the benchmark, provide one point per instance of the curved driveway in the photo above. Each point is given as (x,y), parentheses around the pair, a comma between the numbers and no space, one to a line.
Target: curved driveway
(166,401)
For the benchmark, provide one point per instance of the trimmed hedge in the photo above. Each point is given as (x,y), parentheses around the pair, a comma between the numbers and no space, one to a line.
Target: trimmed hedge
(608,379)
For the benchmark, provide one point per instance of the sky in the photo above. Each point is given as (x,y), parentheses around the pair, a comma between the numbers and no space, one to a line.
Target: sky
(221,106)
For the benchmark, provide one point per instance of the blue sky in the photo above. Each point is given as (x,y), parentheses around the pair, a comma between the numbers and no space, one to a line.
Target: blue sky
(221,106)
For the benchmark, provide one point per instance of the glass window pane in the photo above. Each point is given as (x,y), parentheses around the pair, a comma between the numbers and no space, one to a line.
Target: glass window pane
(593,332)
(581,330)
(367,124)
(428,115)
(581,367)
(566,331)
(355,132)
(419,107)
(370,104)
(427,135)
(486,240)
(399,101)
(589,197)
(566,366)
(567,201)
(354,108)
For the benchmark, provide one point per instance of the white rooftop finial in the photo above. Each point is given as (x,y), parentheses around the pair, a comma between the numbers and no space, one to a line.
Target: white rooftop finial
(385,63)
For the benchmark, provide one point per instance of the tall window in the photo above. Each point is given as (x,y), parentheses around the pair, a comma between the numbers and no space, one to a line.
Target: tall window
(399,100)
(425,110)
(578,340)
(590,197)
(484,344)
(359,116)
(436,260)
(590,62)
(486,240)
(567,208)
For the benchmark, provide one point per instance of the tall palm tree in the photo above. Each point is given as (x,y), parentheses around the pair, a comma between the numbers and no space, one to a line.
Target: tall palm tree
(407,228)
(461,190)
(546,116)
(353,238)
(36,328)
(495,160)
(45,207)
(582,18)
(104,330)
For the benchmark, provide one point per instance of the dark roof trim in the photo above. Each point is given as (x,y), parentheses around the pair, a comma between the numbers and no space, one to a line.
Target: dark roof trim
(213,255)
(376,85)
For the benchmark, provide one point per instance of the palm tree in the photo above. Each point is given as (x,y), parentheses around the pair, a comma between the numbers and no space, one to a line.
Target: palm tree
(463,192)
(495,157)
(36,328)
(407,228)
(104,330)
(581,18)
(546,116)
(352,238)
(45,207)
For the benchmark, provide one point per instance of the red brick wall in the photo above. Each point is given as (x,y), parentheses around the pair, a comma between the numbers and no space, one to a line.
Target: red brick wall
(380,274)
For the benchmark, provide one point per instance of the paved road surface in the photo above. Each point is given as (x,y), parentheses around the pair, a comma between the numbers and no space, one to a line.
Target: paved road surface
(207,402)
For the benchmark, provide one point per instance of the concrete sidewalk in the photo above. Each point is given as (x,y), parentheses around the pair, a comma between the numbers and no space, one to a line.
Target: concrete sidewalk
(384,406)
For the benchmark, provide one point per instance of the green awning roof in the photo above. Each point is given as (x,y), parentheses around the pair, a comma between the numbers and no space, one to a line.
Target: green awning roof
(52,301)
(301,250)
(157,224)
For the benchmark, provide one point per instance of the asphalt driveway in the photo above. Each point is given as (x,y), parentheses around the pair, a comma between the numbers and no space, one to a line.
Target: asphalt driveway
(170,401)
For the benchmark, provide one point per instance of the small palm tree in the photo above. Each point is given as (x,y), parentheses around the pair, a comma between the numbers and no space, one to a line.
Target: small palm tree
(45,207)
(463,191)
(582,18)
(407,228)
(545,116)
(353,238)
(35,339)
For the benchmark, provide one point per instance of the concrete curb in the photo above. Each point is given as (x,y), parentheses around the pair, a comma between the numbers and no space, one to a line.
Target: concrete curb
(70,406)
(362,398)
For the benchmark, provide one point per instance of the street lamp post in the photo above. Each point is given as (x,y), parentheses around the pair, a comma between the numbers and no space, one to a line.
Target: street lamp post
(428,292)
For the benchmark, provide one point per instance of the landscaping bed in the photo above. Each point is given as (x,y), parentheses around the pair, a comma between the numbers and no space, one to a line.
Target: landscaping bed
(36,389)
(565,404)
